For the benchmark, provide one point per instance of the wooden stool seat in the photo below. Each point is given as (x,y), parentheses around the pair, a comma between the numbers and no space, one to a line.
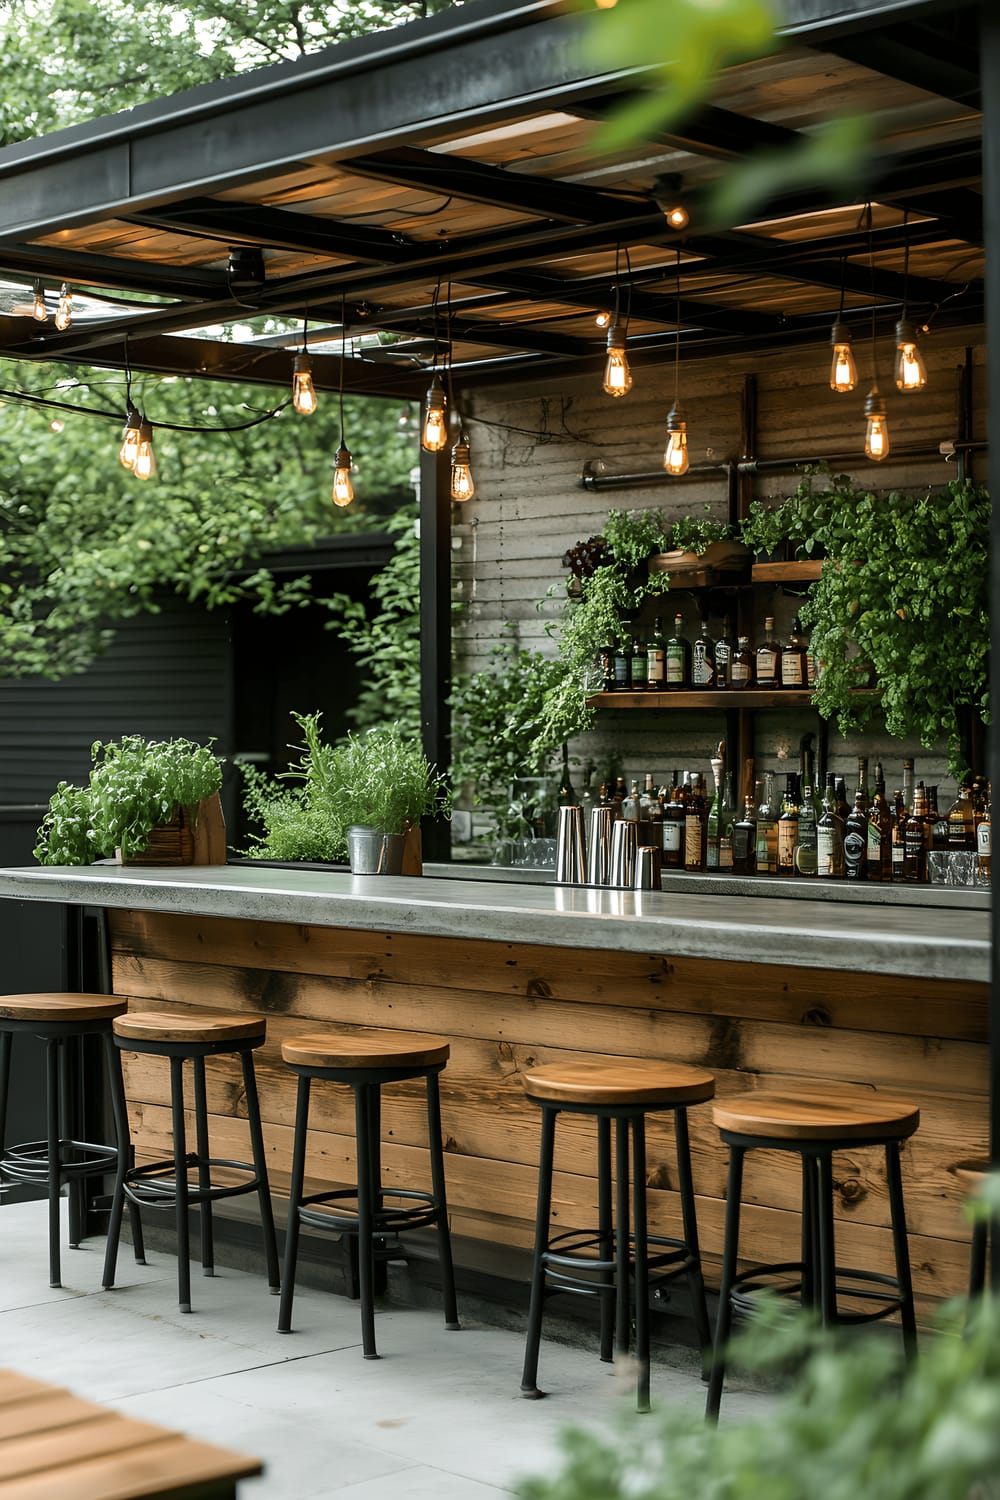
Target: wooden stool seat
(67,1008)
(197,1027)
(621,1080)
(368,1049)
(815,1115)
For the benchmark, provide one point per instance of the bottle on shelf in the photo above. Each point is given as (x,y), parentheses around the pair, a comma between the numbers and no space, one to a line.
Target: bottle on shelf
(630,804)
(939,820)
(741,664)
(793,658)
(830,836)
(788,826)
(908,785)
(767,658)
(655,659)
(640,665)
(623,666)
(880,832)
(745,840)
(606,658)
(984,833)
(695,827)
(647,798)
(727,821)
(856,837)
(767,829)
(677,657)
(703,659)
(673,829)
(806,850)
(724,648)
(713,830)
(618,795)
(915,839)
(899,816)
(962,821)
(862,789)
(567,792)
(843,806)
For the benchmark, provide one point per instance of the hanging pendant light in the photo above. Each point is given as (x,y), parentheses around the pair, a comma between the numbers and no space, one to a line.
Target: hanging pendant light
(463,485)
(876,428)
(343,489)
(303,391)
(617,375)
(843,370)
(39,311)
(434,433)
(64,312)
(145,463)
(910,371)
(675,454)
(129,450)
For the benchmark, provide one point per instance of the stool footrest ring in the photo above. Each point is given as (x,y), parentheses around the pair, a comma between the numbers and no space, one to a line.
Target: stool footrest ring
(748,1285)
(390,1220)
(29,1161)
(154,1184)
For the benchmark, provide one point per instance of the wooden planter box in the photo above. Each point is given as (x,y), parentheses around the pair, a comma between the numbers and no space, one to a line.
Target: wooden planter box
(718,557)
(194,836)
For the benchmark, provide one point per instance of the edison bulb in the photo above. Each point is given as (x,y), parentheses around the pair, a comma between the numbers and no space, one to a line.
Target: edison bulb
(38,309)
(343,489)
(602,319)
(145,463)
(675,455)
(64,312)
(911,372)
(129,449)
(843,370)
(677,216)
(617,375)
(434,433)
(303,390)
(877,428)
(463,486)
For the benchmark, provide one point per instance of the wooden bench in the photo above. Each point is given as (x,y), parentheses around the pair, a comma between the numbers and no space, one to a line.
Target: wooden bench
(54,1443)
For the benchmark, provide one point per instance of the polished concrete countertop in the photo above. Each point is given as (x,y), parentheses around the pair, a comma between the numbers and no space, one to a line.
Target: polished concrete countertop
(927,942)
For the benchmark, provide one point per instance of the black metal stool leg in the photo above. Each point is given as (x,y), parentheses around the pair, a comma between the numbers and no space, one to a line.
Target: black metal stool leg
(366,1248)
(441,1203)
(689,1218)
(259,1156)
(823,1187)
(294,1204)
(180,1185)
(623,1310)
(810,1232)
(977,1258)
(606,1236)
(123,1145)
(734,1191)
(6,1042)
(52,1119)
(204,1170)
(640,1256)
(901,1246)
(69,1115)
(543,1213)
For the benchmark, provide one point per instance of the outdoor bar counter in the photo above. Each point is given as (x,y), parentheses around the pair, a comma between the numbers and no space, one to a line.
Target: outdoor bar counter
(763,991)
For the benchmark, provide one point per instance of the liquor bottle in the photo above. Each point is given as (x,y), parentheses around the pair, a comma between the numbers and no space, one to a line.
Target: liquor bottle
(695,827)
(647,798)
(727,820)
(654,817)
(962,821)
(806,850)
(880,828)
(655,661)
(713,829)
(640,665)
(843,807)
(938,821)
(788,826)
(767,829)
(618,796)
(908,786)
(856,838)
(745,841)
(703,659)
(630,805)
(678,659)
(767,657)
(741,664)
(623,666)
(793,658)
(723,654)
(899,816)
(830,836)
(863,782)
(567,792)
(606,657)
(673,829)
(915,839)
(984,834)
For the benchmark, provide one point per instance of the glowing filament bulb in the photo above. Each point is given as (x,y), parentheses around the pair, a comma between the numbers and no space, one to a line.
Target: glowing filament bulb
(843,370)
(129,449)
(877,429)
(303,390)
(38,309)
(64,312)
(677,216)
(145,463)
(434,433)
(675,456)
(343,489)
(463,486)
(602,319)
(911,372)
(617,375)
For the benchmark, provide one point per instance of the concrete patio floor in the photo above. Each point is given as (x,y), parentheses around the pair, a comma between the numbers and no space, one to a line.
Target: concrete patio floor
(439,1414)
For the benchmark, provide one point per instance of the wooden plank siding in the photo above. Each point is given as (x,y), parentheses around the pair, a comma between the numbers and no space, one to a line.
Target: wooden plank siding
(506,1007)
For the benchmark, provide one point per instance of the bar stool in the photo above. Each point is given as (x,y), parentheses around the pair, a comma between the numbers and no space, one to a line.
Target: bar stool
(614,1263)
(60,1020)
(365,1061)
(814,1124)
(972,1175)
(167,1184)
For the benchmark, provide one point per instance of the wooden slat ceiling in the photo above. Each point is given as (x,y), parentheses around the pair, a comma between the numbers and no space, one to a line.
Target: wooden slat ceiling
(500,233)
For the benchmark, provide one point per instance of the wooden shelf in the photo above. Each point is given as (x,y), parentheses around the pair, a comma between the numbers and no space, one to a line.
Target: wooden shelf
(786,572)
(721,698)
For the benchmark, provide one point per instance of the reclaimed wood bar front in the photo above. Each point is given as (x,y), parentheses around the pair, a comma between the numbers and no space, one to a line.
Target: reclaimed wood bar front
(763,992)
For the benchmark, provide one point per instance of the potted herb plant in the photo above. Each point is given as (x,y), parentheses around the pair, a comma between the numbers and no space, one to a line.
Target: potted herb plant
(363,797)
(146,802)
